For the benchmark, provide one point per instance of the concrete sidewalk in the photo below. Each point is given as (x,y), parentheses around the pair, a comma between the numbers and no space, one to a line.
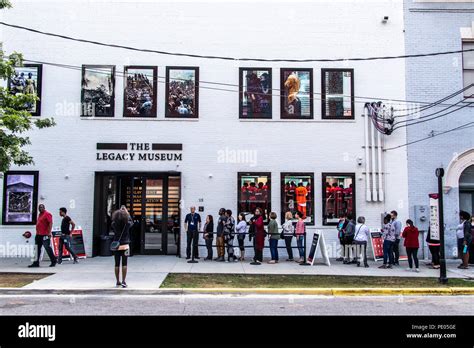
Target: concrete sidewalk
(148,272)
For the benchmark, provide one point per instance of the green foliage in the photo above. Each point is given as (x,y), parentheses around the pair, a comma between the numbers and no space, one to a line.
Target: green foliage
(15,120)
(5,4)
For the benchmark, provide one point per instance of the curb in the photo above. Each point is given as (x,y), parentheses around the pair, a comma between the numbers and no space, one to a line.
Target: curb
(450,291)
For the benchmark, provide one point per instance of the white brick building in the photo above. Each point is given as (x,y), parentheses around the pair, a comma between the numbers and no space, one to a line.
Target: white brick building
(66,155)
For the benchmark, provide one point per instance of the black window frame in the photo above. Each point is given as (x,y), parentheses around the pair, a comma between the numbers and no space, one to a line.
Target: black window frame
(241,93)
(112,101)
(34,213)
(323,94)
(38,87)
(282,192)
(196,90)
(323,194)
(282,96)
(239,180)
(154,112)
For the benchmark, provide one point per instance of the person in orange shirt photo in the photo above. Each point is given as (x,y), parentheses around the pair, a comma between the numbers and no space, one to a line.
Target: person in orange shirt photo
(301,194)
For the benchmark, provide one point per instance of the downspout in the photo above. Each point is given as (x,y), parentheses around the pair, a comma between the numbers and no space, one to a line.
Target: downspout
(374,179)
(379,160)
(368,197)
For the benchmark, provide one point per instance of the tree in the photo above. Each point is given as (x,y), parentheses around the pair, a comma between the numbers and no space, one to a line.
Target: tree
(15,119)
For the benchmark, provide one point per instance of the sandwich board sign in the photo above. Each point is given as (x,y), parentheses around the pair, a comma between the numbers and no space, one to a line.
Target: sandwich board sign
(318,240)
(376,241)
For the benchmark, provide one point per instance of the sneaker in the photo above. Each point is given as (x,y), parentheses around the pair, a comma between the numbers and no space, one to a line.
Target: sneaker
(383,266)
(408,269)
(340,259)
(75,261)
(271,262)
(124,285)
(366,265)
(53,264)
(417,270)
(34,265)
(300,260)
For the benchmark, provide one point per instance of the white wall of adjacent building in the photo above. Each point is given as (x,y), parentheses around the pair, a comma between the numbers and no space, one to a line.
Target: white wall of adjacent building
(265,29)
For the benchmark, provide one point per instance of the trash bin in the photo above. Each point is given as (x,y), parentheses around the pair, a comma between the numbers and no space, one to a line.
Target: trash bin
(105,242)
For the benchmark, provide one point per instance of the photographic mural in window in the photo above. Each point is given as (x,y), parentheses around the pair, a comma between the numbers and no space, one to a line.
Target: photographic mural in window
(27,80)
(98,90)
(254,190)
(338,196)
(337,89)
(255,97)
(20,195)
(296,93)
(297,195)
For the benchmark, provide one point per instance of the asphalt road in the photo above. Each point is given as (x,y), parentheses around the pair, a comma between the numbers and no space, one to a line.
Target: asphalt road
(233,305)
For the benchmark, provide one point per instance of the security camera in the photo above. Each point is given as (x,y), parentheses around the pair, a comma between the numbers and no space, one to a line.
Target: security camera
(385,19)
(359,161)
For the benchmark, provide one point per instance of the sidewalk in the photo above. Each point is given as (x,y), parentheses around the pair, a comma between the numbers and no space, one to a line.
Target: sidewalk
(148,272)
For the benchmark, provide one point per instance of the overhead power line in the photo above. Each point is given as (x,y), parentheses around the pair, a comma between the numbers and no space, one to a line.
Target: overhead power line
(201,56)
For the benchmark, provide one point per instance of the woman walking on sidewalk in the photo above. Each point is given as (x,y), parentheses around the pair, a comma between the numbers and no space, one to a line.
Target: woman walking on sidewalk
(288,232)
(300,235)
(209,235)
(411,243)
(273,238)
(241,231)
(388,235)
(121,224)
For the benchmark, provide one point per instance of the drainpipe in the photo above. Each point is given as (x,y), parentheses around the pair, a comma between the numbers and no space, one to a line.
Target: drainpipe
(374,170)
(379,160)
(367,158)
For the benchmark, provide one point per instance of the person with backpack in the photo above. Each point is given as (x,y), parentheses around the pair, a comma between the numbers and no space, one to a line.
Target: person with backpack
(361,238)
(349,234)
(288,231)
(229,234)
(388,234)
(341,227)
(300,232)
(411,243)
(467,238)
(273,238)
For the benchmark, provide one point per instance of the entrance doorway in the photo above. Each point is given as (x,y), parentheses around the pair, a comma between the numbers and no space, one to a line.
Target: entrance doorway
(466,190)
(152,200)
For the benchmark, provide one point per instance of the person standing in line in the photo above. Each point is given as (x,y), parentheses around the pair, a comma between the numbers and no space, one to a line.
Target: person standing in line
(220,244)
(65,238)
(44,225)
(259,236)
(274,237)
(229,234)
(300,231)
(241,232)
(288,233)
(349,234)
(397,225)
(411,243)
(434,246)
(388,235)
(467,238)
(209,235)
(341,228)
(121,224)
(192,225)
(361,238)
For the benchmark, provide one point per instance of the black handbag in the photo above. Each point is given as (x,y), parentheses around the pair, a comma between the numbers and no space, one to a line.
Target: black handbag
(116,243)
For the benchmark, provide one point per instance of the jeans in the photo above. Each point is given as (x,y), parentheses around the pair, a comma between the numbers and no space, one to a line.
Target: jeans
(44,241)
(230,247)
(412,253)
(460,247)
(396,251)
(387,252)
(360,248)
(193,237)
(434,250)
(299,243)
(209,248)
(220,246)
(289,249)
(65,241)
(274,249)
(241,241)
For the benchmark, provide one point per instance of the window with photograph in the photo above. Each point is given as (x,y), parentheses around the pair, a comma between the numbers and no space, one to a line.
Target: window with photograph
(468,69)
(297,195)
(139,97)
(27,79)
(182,92)
(296,91)
(20,197)
(98,90)
(337,93)
(338,196)
(255,97)
(254,191)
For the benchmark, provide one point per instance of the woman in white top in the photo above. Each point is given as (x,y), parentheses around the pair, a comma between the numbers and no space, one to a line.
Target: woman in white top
(241,230)
(288,231)
(361,238)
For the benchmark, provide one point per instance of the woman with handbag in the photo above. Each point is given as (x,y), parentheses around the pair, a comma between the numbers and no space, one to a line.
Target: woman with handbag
(288,230)
(120,246)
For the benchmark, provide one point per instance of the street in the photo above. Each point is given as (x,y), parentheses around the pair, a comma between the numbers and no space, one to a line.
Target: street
(248,305)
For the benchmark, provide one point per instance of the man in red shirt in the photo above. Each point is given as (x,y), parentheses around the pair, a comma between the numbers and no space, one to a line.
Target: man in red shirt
(44,225)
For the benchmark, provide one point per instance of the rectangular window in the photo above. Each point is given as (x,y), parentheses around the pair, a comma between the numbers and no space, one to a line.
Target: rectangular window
(27,80)
(297,195)
(337,93)
(468,69)
(255,93)
(296,91)
(182,92)
(20,197)
(98,91)
(338,192)
(139,97)
(254,191)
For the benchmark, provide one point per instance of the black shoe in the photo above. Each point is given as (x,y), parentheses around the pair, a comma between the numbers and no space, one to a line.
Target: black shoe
(118,284)
(197,258)
(366,266)
(53,264)
(75,260)
(340,259)
(34,265)
(188,257)
(358,264)
(124,285)
(60,262)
